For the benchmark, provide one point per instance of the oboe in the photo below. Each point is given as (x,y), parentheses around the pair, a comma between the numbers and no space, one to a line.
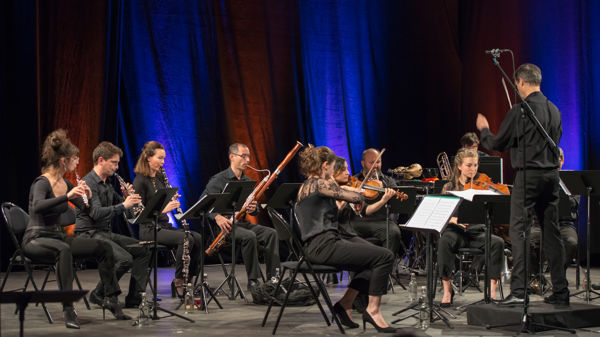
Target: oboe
(258,191)
(137,209)
(186,248)
(84,196)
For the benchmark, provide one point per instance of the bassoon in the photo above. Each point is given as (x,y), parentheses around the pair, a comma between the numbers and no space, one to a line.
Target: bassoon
(258,191)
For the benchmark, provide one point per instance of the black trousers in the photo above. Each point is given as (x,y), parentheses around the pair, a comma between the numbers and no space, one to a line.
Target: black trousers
(172,236)
(452,239)
(376,229)
(540,197)
(63,251)
(569,238)
(372,264)
(127,256)
(250,236)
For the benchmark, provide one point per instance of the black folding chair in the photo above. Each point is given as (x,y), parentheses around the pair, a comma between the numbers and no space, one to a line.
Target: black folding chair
(16,220)
(302,266)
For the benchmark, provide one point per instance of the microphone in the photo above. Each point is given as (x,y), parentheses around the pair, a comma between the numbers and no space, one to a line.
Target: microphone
(497,52)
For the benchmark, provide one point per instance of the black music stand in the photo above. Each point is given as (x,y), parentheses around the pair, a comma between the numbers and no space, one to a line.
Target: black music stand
(284,198)
(23,298)
(431,217)
(489,210)
(584,183)
(198,211)
(399,206)
(152,210)
(239,190)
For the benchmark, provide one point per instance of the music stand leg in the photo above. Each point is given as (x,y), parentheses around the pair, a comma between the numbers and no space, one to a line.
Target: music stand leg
(587,287)
(231,280)
(155,306)
(434,309)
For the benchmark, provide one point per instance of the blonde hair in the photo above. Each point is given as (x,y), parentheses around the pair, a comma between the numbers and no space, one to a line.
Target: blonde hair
(149,150)
(459,159)
(56,146)
(311,159)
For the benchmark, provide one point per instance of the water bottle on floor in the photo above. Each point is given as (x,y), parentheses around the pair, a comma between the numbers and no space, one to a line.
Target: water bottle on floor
(412,288)
(423,310)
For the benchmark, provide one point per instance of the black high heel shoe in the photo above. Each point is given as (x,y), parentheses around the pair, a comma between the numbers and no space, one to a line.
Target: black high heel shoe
(71,321)
(448,304)
(343,316)
(177,288)
(367,318)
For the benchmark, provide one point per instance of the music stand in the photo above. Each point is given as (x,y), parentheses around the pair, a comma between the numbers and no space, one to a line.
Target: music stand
(284,197)
(489,210)
(431,217)
(198,211)
(22,299)
(399,206)
(152,210)
(584,183)
(239,190)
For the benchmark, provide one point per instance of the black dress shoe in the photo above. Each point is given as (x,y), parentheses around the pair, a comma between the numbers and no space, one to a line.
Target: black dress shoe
(512,300)
(112,304)
(133,301)
(558,299)
(71,318)
(252,284)
(96,298)
(343,316)
(596,286)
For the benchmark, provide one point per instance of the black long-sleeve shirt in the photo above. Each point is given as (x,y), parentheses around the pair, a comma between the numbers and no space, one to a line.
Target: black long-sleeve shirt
(217,183)
(539,154)
(47,212)
(146,187)
(105,202)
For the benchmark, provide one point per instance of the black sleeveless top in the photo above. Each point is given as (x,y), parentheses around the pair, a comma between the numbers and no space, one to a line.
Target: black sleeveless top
(316,209)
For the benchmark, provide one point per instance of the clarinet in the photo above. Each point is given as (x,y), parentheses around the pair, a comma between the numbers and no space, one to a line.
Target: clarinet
(84,196)
(186,244)
(136,209)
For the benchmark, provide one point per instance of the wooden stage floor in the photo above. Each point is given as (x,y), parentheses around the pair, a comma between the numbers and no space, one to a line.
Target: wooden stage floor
(237,318)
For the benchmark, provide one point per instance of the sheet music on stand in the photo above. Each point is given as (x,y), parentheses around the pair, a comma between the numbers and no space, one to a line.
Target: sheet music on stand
(433,213)
(471,193)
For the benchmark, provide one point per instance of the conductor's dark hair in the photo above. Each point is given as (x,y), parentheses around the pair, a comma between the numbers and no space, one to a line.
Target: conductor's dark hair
(530,73)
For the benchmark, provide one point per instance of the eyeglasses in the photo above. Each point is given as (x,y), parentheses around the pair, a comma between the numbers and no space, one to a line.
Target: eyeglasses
(245,155)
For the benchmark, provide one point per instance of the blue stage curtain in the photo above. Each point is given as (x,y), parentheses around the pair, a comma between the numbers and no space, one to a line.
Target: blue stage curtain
(169,89)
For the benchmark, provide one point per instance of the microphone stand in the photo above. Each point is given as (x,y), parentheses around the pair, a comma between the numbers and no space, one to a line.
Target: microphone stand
(527,325)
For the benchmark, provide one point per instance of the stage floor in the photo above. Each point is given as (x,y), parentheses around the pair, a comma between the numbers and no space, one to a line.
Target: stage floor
(237,318)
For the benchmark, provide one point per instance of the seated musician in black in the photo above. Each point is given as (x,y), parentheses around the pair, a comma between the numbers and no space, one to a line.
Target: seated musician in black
(470,141)
(318,224)
(95,223)
(342,177)
(148,180)
(44,239)
(458,235)
(568,233)
(248,234)
(373,226)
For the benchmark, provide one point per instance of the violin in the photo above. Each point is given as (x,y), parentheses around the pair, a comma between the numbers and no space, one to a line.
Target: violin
(372,187)
(484,182)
